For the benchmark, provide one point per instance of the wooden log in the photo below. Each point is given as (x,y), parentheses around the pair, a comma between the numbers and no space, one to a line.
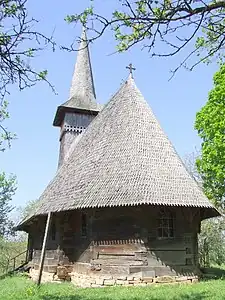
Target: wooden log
(118,262)
(47,227)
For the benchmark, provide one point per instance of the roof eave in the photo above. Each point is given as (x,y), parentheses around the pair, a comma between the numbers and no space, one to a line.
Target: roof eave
(25,223)
(61,110)
(207,212)
(210,212)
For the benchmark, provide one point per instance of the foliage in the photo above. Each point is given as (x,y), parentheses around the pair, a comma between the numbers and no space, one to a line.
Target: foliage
(20,288)
(24,212)
(212,242)
(8,250)
(28,209)
(210,124)
(164,27)
(5,136)
(190,164)
(7,190)
(19,43)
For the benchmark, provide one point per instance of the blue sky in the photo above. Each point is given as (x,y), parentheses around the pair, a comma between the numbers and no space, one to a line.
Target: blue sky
(34,155)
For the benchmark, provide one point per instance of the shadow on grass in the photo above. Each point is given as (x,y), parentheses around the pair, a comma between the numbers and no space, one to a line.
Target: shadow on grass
(213,273)
(189,296)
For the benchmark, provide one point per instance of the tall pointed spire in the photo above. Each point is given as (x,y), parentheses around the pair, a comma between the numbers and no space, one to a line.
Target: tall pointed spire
(82,95)
(82,89)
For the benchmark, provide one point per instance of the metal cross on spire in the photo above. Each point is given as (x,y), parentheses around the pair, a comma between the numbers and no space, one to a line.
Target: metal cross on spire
(131,68)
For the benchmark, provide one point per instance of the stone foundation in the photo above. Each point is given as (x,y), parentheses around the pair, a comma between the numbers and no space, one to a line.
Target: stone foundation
(87,281)
(84,281)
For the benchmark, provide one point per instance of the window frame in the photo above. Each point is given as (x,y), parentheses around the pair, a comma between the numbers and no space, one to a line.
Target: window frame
(166,223)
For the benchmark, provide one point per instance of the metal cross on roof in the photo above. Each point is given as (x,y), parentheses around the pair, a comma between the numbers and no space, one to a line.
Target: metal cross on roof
(131,68)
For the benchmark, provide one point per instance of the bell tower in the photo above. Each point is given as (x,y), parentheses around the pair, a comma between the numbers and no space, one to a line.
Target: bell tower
(75,115)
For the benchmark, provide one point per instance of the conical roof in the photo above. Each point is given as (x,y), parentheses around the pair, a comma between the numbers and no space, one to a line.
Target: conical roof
(123,158)
(82,91)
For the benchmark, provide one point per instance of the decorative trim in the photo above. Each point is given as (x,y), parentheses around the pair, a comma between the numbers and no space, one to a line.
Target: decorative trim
(69,128)
(78,129)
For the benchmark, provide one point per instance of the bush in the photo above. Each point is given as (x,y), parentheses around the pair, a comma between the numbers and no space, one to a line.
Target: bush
(212,242)
(8,250)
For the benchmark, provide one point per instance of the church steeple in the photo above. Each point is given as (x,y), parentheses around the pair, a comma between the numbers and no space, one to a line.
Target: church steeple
(82,95)
(75,114)
(82,91)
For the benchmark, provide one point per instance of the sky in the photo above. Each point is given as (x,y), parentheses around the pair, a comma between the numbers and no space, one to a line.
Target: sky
(33,156)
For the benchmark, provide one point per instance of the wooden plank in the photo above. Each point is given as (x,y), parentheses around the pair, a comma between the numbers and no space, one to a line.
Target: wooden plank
(47,227)
(168,243)
(116,256)
(119,248)
(115,262)
(166,246)
(169,249)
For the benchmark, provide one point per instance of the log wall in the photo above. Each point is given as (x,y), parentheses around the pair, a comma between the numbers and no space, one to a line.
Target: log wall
(119,241)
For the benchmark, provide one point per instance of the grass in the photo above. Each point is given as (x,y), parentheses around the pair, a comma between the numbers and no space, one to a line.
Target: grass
(21,288)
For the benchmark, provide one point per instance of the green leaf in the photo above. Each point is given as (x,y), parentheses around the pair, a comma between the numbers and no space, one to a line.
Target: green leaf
(210,124)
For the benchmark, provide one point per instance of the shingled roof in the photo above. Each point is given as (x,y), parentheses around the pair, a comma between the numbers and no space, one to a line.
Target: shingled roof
(82,91)
(124,158)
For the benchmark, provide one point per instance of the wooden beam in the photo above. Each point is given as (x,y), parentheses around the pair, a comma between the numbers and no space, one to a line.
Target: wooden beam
(47,227)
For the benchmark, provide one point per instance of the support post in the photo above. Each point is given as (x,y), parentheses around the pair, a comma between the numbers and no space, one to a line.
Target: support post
(28,248)
(47,227)
(14,264)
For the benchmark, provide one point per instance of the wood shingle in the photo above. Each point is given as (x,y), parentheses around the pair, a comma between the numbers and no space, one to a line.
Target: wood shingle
(123,159)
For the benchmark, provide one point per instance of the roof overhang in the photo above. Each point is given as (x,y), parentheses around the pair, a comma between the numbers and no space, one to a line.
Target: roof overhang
(205,213)
(61,110)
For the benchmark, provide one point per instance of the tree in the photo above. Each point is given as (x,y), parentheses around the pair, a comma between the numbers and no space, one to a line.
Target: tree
(5,136)
(164,27)
(8,250)
(210,124)
(28,209)
(190,164)
(19,43)
(211,240)
(7,190)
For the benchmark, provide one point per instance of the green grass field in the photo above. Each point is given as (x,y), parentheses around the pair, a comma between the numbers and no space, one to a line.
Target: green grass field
(21,288)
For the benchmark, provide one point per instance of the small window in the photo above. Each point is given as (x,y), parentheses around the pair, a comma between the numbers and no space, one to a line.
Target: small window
(83,224)
(165,224)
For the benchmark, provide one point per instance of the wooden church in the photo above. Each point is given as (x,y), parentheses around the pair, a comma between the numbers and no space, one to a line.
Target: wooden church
(122,208)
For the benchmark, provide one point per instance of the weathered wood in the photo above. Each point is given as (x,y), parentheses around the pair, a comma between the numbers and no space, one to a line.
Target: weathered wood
(116,256)
(121,247)
(44,248)
(73,125)
(119,262)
